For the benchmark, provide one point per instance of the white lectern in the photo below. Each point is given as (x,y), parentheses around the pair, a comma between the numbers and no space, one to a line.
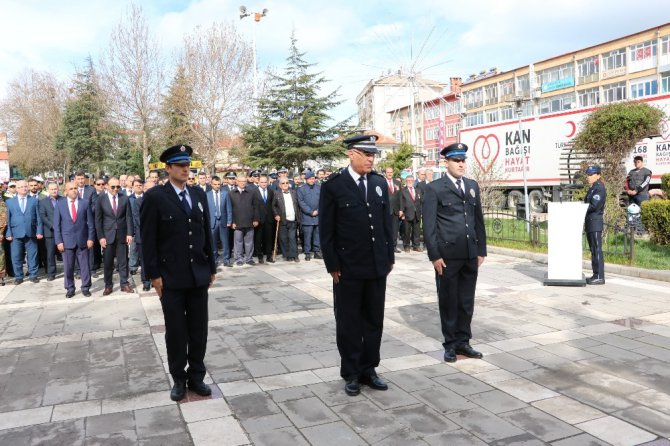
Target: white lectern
(566,222)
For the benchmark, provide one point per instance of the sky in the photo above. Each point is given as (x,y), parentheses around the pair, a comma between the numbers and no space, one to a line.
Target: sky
(351,42)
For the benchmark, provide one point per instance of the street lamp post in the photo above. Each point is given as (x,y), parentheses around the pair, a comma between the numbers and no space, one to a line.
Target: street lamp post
(519,101)
(244,12)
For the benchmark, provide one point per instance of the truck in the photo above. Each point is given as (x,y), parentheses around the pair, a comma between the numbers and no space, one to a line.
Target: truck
(543,145)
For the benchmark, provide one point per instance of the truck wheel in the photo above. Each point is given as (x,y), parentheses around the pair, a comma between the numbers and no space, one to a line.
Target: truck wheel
(513,198)
(536,201)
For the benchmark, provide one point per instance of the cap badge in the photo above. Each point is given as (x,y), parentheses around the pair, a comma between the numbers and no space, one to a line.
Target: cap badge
(182,148)
(378,190)
(373,138)
(460,146)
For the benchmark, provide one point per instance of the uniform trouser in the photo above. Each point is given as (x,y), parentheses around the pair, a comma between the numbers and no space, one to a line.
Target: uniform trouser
(312,243)
(456,299)
(264,235)
(24,246)
(595,240)
(288,239)
(185,313)
(220,232)
(81,255)
(120,251)
(133,257)
(244,244)
(412,233)
(359,321)
(50,247)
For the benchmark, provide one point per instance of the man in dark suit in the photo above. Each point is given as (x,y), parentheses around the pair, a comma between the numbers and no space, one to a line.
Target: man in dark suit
(265,231)
(594,224)
(356,231)
(85,191)
(95,256)
(220,219)
(393,187)
(135,205)
(421,181)
(177,249)
(24,228)
(410,206)
(74,232)
(46,210)
(454,234)
(287,212)
(202,182)
(114,229)
(245,219)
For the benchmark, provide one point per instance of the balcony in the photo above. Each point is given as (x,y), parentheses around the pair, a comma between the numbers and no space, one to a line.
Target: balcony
(587,79)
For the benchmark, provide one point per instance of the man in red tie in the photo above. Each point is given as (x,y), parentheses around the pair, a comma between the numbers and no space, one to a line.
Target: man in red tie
(410,208)
(394,198)
(114,228)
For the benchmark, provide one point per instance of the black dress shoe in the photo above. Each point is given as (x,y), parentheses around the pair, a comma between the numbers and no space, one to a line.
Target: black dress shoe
(50,278)
(396,250)
(200,388)
(86,293)
(296,260)
(146,287)
(69,294)
(251,262)
(18,281)
(270,260)
(228,264)
(592,281)
(34,280)
(178,390)
(468,351)
(352,387)
(318,255)
(450,355)
(260,260)
(308,257)
(374,382)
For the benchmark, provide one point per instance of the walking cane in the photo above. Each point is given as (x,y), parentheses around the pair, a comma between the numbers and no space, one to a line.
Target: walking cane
(274,251)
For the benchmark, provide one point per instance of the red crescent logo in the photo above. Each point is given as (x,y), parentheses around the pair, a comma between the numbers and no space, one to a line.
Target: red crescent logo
(486,150)
(665,130)
(573,129)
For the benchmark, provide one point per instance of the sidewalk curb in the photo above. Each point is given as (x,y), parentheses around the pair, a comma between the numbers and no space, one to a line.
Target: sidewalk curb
(662,275)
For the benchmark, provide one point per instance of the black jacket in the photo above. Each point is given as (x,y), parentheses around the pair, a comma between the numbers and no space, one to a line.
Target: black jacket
(453,227)
(265,214)
(112,226)
(595,197)
(411,208)
(356,235)
(176,246)
(279,206)
(245,208)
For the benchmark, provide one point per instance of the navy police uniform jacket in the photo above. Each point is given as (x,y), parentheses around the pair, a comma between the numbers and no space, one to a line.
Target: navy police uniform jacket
(176,246)
(356,234)
(453,227)
(595,198)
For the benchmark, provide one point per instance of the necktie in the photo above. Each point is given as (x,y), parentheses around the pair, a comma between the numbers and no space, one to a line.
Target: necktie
(23,205)
(184,202)
(265,196)
(411,193)
(114,204)
(216,204)
(460,189)
(74,212)
(361,186)
(81,193)
(53,203)
(390,187)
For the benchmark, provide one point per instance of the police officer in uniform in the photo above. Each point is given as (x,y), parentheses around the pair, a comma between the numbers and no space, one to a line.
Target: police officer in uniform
(593,224)
(356,243)
(177,249)
(455,238)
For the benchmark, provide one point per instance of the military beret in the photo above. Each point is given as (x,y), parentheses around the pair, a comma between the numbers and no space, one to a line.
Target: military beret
(364,143)
(592,170)
(456,150)
(177,154)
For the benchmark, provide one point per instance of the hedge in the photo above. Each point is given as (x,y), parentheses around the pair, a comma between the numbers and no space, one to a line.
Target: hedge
(665,184)
(656,218)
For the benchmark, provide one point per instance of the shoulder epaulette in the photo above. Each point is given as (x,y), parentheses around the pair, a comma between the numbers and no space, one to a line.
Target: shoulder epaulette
(335,174)
(374,172)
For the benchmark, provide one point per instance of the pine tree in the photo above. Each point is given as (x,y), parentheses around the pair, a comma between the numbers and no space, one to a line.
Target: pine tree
(176,111)
(292,124)
(85,135)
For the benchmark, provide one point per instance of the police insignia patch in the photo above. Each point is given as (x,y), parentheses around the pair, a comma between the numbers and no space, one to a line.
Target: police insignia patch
(378,190)
(596,197)
(472,193)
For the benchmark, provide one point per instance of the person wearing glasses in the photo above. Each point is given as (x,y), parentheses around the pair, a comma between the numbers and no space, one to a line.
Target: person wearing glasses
(357,248)
(24,228)
(455,238)
(178,256)
(114,229)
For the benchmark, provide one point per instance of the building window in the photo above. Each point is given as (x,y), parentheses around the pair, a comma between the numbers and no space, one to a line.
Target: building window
(614,59)
(665,83)
(506,113)
(474,98)
(473,119)
(614,92)
(492,115)
(452,129)
(432,133)
(523,85)
(432,112)
(587,70)
(642,56)
(557,103)
(556,73)
(665,45)
(453,108)
(640,88)
(589,97)
(506,89)
(491,92)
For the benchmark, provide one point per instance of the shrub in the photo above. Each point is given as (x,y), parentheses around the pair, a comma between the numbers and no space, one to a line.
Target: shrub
(656,218)
(665,184)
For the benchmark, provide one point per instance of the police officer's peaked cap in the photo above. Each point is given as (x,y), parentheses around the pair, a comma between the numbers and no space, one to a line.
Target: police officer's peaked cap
(364,143)
(231,175)
(456,150)
(592,170)
(255,173)
(282,170)
(273,175)
(177,154)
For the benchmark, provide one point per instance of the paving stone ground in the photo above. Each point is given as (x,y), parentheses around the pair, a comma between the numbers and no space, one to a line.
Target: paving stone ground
(562,366)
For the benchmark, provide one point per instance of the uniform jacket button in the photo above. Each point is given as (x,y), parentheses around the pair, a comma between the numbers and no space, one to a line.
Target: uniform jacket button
(373,239)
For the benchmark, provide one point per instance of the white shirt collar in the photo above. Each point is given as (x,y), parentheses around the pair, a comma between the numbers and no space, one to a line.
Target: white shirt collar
(177,190)
(354,174)
(453,179)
